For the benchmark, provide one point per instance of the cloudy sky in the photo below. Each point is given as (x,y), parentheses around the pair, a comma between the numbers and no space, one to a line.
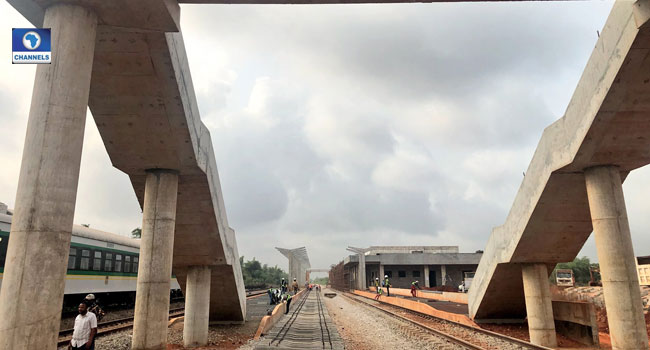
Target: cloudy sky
(356,125)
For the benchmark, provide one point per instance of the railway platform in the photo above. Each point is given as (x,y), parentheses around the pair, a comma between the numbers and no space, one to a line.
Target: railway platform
(307,326)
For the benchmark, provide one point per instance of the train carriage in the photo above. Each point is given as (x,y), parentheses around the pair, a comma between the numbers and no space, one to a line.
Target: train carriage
(98,262)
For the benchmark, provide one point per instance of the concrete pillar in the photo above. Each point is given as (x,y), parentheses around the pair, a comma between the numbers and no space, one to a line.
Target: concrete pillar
(155,269)
(443,275)
(197,306)
(34,275)
(427,283)
(362,271)
(537,292)
(616,257)
(381,272)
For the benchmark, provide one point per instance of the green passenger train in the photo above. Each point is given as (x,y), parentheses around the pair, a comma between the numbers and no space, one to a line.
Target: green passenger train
(102,263)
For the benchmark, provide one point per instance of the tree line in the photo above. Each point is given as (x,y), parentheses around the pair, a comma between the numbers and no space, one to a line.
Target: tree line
(258,276)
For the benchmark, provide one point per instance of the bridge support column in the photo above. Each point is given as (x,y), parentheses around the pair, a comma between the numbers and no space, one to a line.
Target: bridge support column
(37,256)
(381,272)
(197,306)
(362,272)
(427,283)
(443,275)
(616,258)
(155,270)
(537,292)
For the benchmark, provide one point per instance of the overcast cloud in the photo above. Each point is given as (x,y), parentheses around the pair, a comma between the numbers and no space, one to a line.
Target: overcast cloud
(357,124)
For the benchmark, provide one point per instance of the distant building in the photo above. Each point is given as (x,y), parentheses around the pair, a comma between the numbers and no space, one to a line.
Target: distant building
(643,269)
(432,266)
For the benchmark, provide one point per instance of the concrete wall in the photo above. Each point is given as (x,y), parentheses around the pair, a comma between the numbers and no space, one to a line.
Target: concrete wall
(576,320)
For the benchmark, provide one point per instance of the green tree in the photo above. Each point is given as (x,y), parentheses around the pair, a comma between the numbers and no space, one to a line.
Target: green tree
(136,233)
(321,280)
(257,275)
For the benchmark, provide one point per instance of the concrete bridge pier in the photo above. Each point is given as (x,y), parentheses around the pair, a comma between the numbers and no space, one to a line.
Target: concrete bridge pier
(155,269)
(34,276)
(197,306)
(361,268)
(616,258)
(537,292)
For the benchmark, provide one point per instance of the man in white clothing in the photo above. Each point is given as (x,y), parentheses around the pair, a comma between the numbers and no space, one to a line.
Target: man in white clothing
(85,329)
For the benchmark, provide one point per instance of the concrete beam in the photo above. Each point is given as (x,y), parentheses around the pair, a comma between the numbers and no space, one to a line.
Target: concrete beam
(34,275)
(607,122)
(308,2)
(156,15)
(143,102)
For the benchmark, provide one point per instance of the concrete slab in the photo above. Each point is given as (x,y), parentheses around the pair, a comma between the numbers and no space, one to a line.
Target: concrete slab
(607,122)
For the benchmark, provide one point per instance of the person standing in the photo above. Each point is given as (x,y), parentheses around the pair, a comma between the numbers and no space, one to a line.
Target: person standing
(283,286)
(85,329)
(294,287)
(387,285)
(93,306)
(414,286)
(289,297)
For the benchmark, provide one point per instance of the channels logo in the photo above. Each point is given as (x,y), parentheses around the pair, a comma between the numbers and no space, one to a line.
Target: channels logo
(31,45)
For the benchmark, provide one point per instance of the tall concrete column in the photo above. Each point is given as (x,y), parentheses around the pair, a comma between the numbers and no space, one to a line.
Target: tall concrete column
(537,292)
(155,269)
(34,275)
(427,283)
(197,306)
(616,257)
(381,272)
(362,272)
(443,275)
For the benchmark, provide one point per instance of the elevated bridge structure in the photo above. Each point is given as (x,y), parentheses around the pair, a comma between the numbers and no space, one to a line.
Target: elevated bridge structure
(309,271)
(298,263)
(573,186)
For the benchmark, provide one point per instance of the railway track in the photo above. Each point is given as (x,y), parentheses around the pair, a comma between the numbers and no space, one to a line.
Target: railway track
(113,326)
(307,327)
(459,335)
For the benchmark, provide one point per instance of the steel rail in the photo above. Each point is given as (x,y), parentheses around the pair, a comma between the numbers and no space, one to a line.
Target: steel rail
(113,326)
(502,337)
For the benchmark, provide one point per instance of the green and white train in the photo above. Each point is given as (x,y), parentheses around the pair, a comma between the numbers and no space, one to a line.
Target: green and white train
(99,262)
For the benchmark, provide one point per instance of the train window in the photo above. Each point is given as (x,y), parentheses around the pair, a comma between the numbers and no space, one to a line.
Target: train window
(135,264)
(97,263)
(108,262)
(127,263)
(85,259)
(118,263)
(72,259)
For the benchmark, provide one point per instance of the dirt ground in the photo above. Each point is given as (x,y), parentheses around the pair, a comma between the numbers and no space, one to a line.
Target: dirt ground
(520,331)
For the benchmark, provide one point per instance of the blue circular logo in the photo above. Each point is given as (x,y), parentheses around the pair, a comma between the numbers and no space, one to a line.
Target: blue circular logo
(31,40)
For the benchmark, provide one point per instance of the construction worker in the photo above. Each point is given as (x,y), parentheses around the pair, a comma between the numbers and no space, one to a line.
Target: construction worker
(295,287)
(379,291)
(377,287)
(414,286)
(288,297)
(92,306)
(387,285)
(283,286)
